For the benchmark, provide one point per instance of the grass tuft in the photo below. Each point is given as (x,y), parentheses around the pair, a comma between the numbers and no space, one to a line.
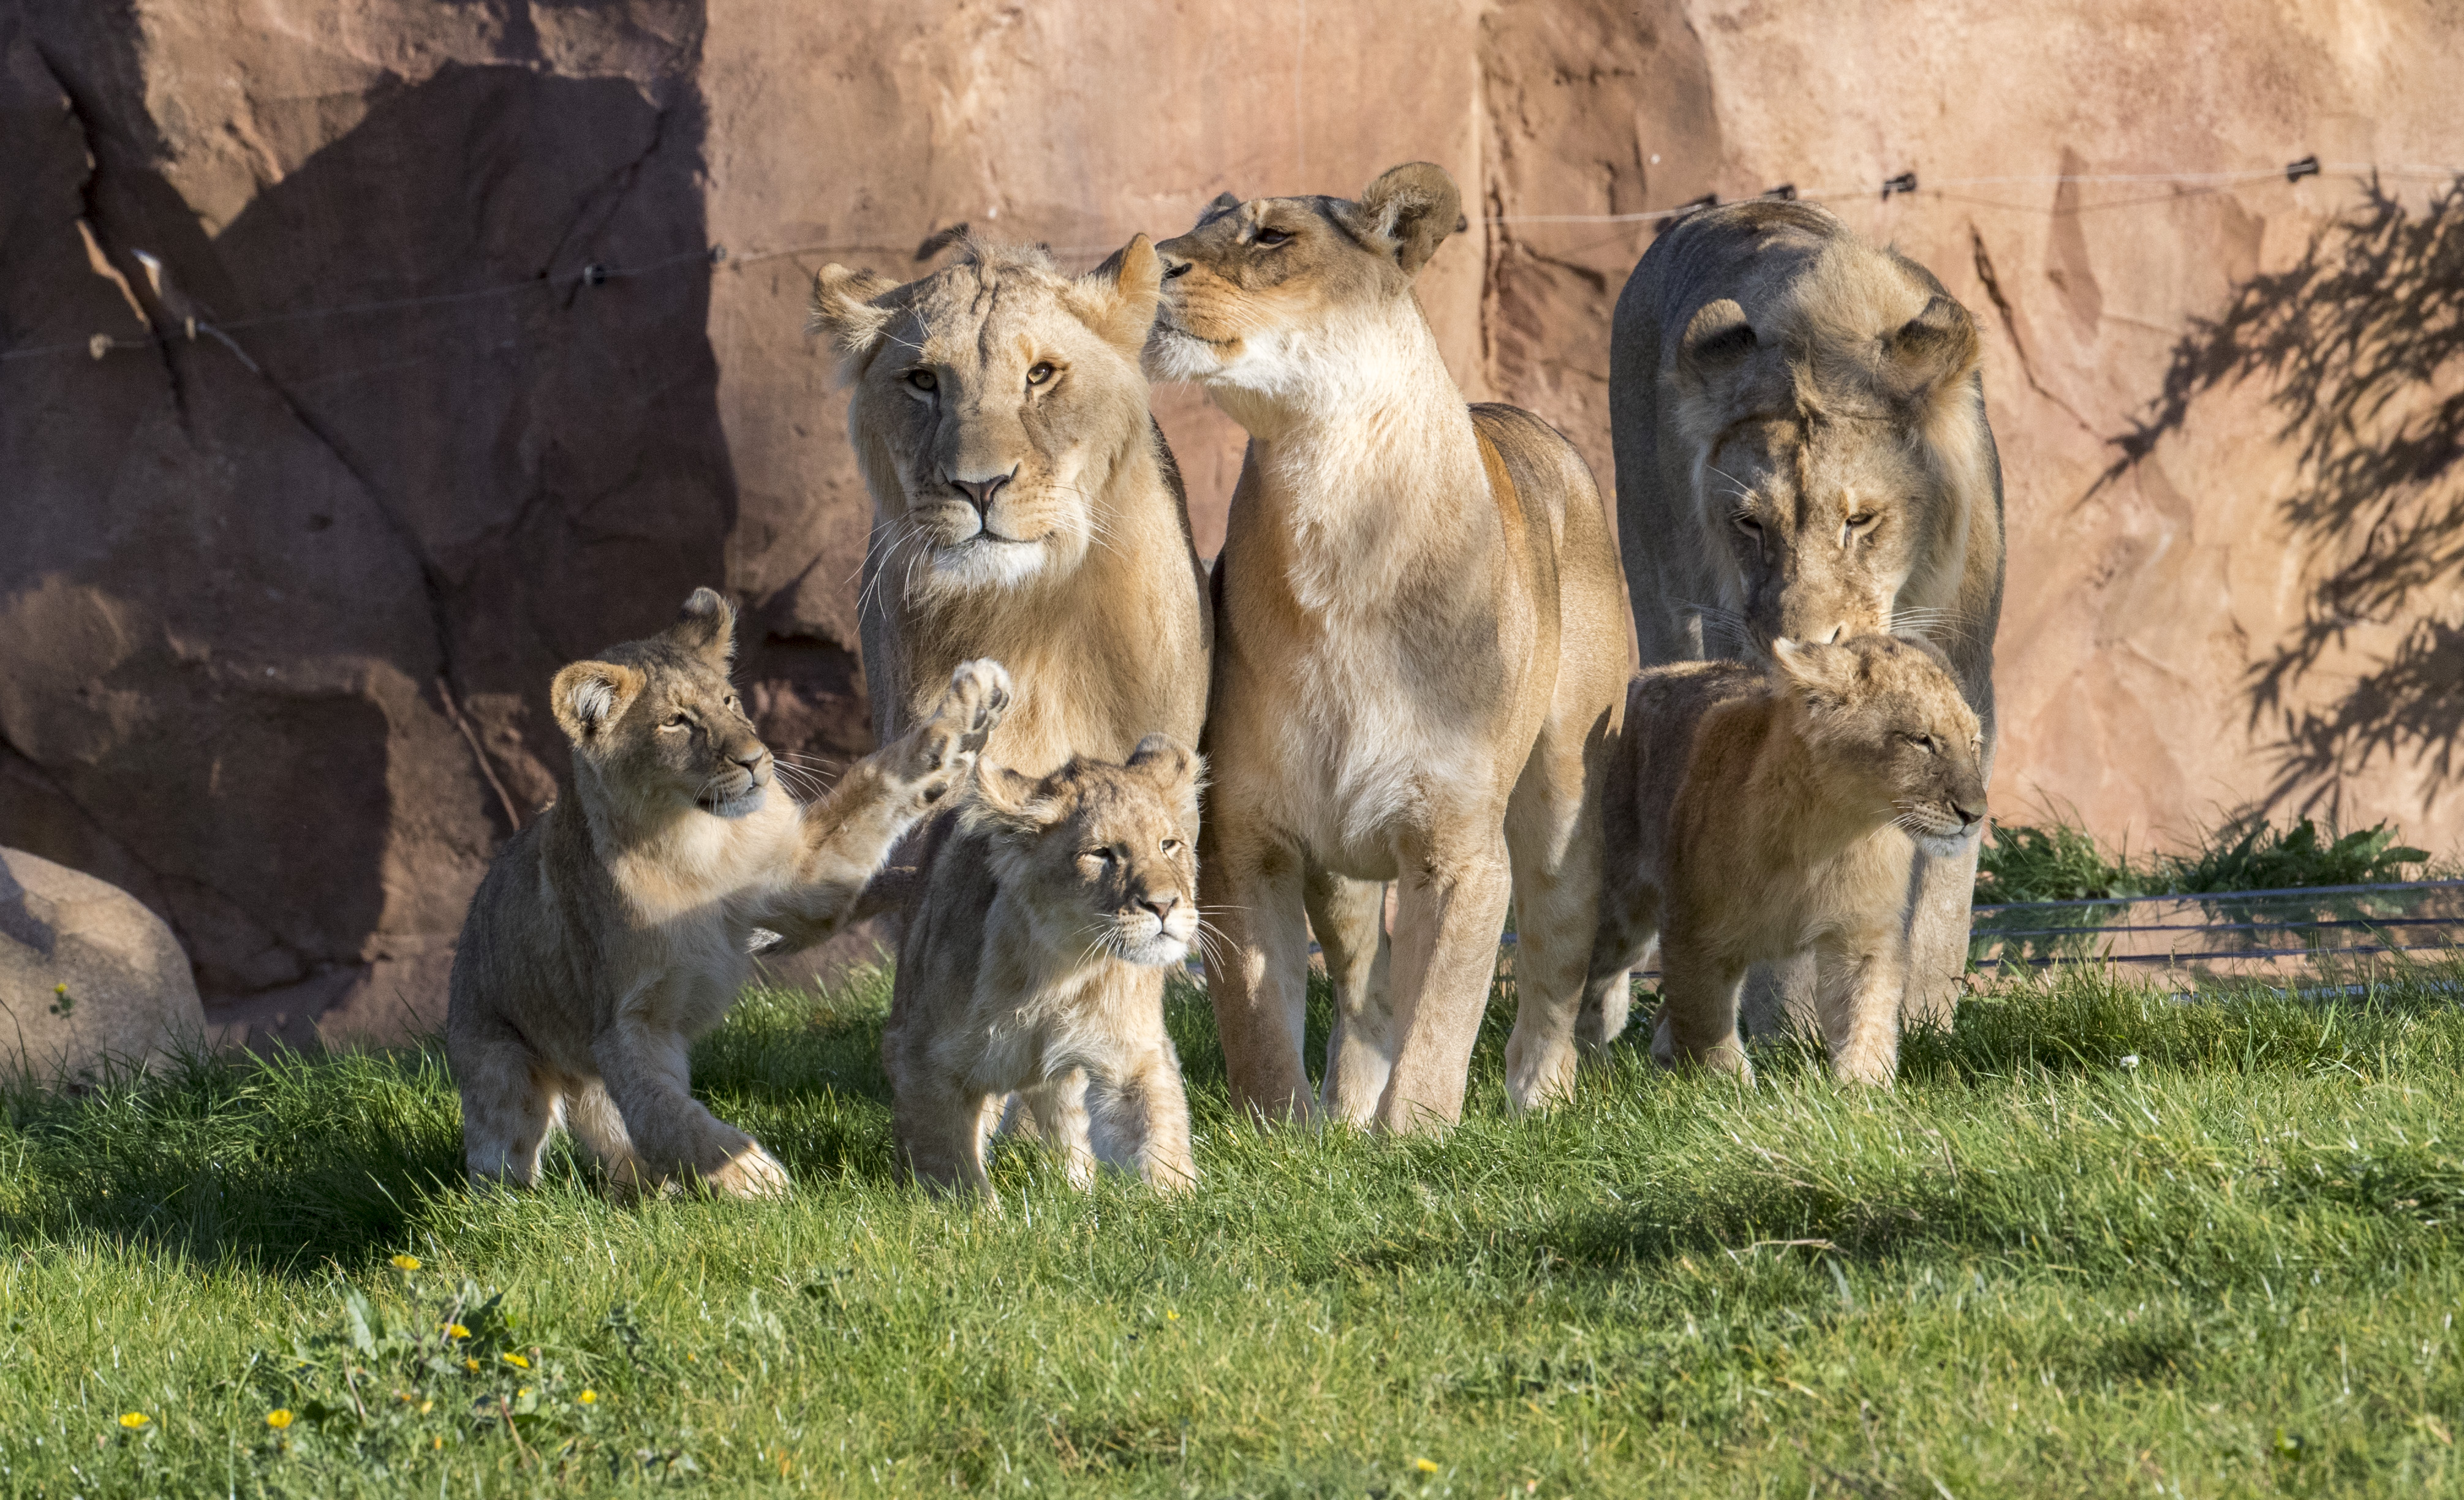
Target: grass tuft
(2059,861)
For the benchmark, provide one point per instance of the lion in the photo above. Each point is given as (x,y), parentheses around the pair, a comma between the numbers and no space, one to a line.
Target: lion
(1802,451)
(1763,817)
(1419,659)
(1026,506)
(1035,963)
(618,925)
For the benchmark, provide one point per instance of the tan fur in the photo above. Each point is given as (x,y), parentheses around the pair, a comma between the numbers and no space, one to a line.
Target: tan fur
(1802,452)
(1095,602)
(618,925)
(1756,818)
(1420,657)
(1036,963)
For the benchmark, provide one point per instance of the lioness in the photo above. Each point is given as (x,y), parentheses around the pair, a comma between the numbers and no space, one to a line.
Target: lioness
(1025,505)
(1418,656)
(614,929)
(1802,452)
(1758,817)
(1035,962)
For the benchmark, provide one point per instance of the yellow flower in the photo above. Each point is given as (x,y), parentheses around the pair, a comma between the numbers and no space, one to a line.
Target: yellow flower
(588,1397)
(278,1418)
(434,1443)
(524,1394)
(516,1360)
(134,1420)
(426,1407)
(406,1262)
(1424,1466)
(60,989)
(1171,1315)
(456,1331)
(470,1364)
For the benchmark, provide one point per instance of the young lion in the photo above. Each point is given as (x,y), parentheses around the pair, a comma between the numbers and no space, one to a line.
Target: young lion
(1770,815)
(1035,962)
(615,928)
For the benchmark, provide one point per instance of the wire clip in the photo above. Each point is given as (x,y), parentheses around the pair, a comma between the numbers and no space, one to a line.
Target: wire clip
(1785,192)
(2295,172)
(1904,183)
(594,274)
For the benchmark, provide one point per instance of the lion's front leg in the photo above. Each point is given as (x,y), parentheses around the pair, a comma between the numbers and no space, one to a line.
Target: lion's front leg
(1862,977)
(847,836)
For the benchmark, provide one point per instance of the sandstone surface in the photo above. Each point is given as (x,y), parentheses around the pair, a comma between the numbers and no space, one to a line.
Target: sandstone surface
(280,601)
(91,983)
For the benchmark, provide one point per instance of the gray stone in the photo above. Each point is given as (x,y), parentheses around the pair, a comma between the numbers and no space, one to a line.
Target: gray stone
(91,982)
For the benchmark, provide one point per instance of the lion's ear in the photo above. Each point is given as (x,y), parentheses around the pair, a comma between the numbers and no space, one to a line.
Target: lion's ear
(1931,351)
(1823,674)
(1407,213)
(1716,339)
(1176,770)
(588,696)
(1010,806)
(1224,204)
(846,306)
(1117,298)
(705,626)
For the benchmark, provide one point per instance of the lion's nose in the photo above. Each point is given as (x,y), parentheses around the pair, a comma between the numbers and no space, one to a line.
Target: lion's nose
(979,492)
(751,760)
(1969,816)
(1162,906)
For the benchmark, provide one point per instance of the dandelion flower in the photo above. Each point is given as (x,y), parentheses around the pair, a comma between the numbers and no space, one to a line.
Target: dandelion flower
(588,1397)
(1171,1316)
(278,1418)
(134,1420)
(405,1263)
(516,1360)
(456,1331)
(470,1364)
(2130,1062)
(524,1394)
(426,1407)
(60,989)
(1424,1466)
(435,1442)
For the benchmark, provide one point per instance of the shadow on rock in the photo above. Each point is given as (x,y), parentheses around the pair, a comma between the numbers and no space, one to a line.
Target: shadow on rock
(2360,343)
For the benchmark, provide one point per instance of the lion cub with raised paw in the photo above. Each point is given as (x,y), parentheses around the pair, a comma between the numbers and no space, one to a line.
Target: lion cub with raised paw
(1035,963)
(1759,816)
(618,925)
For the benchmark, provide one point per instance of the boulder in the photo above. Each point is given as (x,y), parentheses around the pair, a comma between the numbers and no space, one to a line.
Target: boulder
(91,983)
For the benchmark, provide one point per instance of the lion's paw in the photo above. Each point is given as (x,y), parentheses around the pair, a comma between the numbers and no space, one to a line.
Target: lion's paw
(945,747)
(751,1173)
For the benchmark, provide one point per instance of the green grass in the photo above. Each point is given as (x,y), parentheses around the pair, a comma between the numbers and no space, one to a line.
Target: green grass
(2059,861)
(2095,1244)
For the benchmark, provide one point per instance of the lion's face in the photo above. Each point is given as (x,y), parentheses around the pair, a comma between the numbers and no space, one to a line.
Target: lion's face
(1823,426)
(657,722)
(1104,858)
(990,402)
(1273,293)
(1885,715)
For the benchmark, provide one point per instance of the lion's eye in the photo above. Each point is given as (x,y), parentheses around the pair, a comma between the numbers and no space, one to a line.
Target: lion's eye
(1926,742)
(1105,854)
(1268,239)
(1747,524)
(1040,373)
(922,380)
(678,722)
(1861,520)
(1171,846)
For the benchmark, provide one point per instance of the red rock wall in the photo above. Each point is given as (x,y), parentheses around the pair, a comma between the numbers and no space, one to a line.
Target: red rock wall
(275,622)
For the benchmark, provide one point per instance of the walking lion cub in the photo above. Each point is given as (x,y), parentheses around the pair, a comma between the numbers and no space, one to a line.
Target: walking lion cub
(1035,963)
(617,927)
(1759,817)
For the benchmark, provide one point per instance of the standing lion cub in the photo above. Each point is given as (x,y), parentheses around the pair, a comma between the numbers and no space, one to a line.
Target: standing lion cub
(1758,817)
(615,928)
(1035,962)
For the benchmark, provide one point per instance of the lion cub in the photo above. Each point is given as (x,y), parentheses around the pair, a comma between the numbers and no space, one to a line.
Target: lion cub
(615,928)
(1758,816)
(1035,962)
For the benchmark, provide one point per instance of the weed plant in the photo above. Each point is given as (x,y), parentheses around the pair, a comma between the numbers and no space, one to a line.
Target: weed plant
(2095,1242)
(2059,861)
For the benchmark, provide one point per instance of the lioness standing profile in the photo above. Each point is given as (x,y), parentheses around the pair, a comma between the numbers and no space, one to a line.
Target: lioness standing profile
(1756,818)
(1802,452)
(1419,656)
(1026,507)
(615,928)
(1035,962)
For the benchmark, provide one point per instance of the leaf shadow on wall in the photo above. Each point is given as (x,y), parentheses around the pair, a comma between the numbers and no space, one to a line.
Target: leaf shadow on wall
(2360,345)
